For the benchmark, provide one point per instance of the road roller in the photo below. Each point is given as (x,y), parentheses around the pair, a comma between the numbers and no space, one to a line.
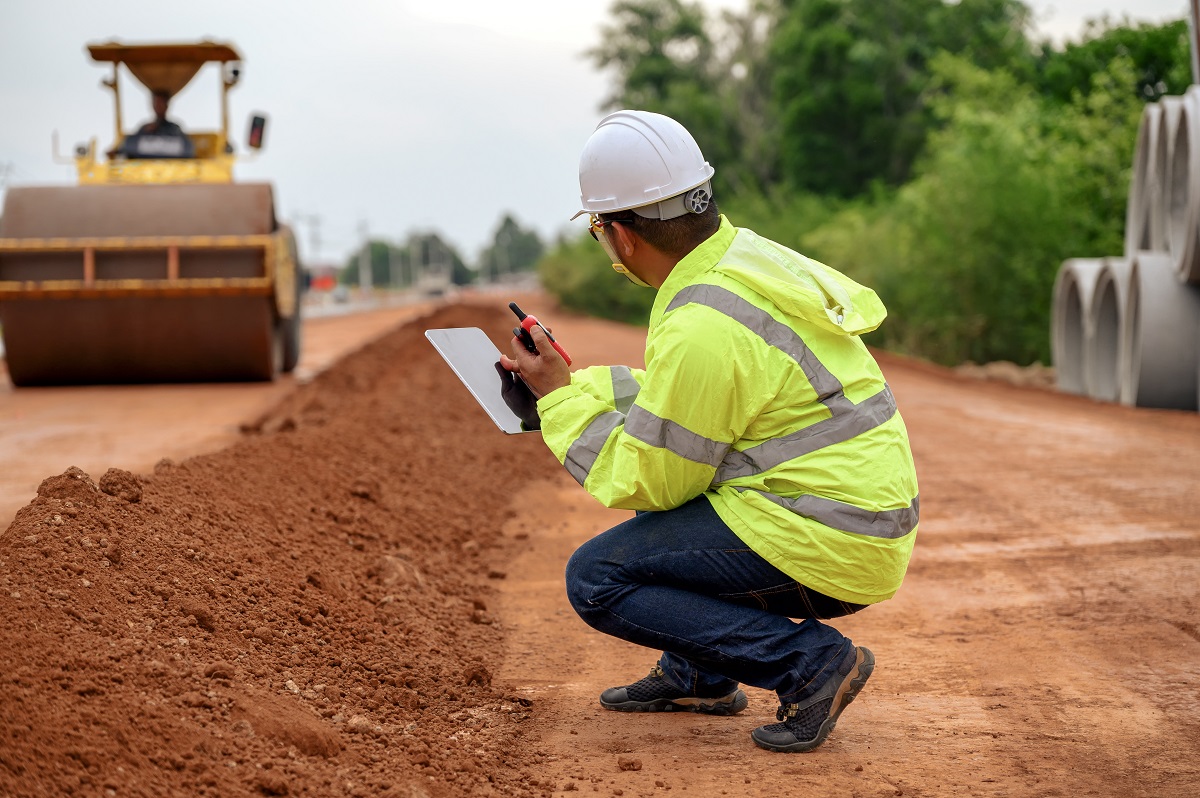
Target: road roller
(158,266)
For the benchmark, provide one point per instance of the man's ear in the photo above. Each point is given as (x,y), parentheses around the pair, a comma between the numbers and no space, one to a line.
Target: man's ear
(624,240)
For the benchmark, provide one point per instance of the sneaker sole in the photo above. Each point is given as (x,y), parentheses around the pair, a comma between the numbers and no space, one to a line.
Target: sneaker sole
(706,706)
(853,683)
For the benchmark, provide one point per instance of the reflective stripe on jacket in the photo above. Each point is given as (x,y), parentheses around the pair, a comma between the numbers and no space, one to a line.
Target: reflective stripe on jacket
(759,394)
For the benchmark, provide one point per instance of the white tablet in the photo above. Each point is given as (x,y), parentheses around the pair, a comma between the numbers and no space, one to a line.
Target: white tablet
(473,357)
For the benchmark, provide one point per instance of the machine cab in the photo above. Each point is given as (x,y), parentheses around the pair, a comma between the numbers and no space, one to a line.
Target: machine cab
(172,155)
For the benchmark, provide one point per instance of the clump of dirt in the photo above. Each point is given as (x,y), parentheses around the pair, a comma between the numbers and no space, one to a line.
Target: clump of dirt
(302,613)
(121,484)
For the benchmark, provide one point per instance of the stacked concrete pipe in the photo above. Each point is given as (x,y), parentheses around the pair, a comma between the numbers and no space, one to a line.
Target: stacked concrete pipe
(1143,218)
(1161,344)
(1071,322)
(1182,189)
(1128,328)
(1104,361)
(1170,109)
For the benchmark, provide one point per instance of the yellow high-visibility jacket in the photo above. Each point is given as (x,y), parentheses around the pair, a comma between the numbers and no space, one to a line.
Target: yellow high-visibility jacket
(758,394)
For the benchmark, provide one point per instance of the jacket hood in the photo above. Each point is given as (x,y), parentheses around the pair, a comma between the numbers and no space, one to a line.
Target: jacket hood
(801,286)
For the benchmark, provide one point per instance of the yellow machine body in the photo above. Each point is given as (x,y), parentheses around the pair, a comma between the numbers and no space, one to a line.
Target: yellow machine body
(150,270)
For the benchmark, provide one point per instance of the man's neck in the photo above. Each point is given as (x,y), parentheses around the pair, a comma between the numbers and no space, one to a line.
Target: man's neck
(657,266)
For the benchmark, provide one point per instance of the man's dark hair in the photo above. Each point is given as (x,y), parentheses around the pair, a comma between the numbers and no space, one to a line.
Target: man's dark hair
(675,237)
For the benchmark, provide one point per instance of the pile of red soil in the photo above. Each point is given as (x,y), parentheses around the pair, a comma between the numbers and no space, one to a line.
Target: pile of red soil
(305,612)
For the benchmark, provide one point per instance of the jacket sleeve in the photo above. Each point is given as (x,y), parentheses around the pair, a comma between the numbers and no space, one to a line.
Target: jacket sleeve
(661,447)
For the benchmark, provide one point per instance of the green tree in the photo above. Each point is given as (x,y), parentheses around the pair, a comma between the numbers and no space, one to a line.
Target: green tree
(965,254)
(744,74)
(851,85)
(664,61)
(387,266)
(513,249)
(436,259)
(423,258)
(1161,57)
(926,147)
(655,45)
(577,271)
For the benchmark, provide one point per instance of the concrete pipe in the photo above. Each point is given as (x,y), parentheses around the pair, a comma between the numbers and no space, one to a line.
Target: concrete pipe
(1182,194)
(1168,127)
(1162,336)
(1104,363)
(1071,319)
(1143,219)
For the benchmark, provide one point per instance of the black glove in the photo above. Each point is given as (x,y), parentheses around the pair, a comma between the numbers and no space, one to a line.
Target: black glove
(519,398)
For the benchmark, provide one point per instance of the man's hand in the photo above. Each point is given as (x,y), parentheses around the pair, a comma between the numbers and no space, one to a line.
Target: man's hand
(544,371)
(519,398)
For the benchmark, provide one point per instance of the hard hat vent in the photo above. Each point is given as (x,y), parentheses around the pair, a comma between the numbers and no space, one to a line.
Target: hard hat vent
(697,200)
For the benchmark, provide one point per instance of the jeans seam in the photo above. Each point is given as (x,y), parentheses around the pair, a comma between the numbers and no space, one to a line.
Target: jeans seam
(759,594)
(835,661)
(762,603)
(804,595)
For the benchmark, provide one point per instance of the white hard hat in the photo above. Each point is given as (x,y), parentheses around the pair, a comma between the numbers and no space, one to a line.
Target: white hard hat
(644,161)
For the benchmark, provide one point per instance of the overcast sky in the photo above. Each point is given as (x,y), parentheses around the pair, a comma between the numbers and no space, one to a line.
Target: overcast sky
(398,115)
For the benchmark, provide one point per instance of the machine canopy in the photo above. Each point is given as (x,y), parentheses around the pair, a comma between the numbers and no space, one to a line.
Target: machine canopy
(164,67)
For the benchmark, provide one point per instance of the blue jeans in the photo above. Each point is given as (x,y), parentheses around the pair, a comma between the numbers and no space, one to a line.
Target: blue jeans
(683,582)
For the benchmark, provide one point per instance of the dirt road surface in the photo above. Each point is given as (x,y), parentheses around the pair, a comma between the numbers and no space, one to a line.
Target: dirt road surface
(362,595)
(45,430)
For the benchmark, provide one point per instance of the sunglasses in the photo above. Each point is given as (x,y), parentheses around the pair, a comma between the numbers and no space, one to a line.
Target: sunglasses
(596,225)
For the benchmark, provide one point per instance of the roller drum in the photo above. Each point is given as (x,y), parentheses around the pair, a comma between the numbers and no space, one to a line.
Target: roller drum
(139,340)
(289,326)
(121,336)
(171,210)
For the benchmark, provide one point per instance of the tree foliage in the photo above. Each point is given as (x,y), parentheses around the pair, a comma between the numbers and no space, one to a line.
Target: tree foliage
(422,260)
(1160,54)
(513,249)
(850,90)
(668,59)
(965,254)
(578,272)
(928,147)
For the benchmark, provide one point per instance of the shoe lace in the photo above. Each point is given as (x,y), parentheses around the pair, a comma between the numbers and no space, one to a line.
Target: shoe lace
(786,711)
(655,672)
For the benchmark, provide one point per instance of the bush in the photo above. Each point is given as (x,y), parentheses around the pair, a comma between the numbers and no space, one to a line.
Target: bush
(964,256)
(580,275)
